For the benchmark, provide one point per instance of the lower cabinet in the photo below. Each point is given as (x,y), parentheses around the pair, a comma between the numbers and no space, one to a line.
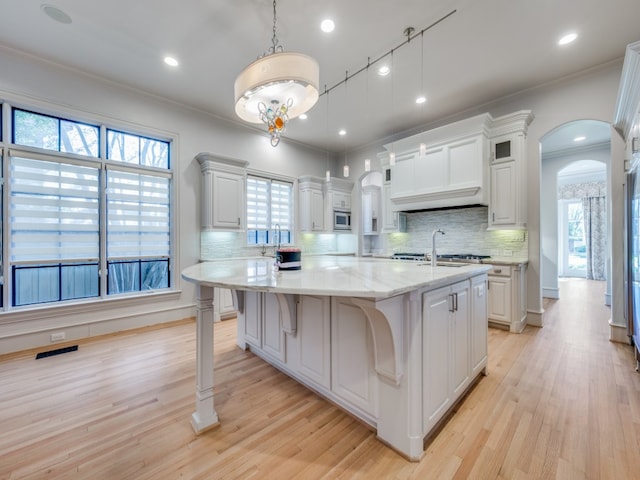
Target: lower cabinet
(454,344)
(507,296)
(445,339)
(353,377)
(479,324)
(313,339)
(331,346)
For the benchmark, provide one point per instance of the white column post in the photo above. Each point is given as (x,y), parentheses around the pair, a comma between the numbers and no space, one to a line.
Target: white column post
(205,416)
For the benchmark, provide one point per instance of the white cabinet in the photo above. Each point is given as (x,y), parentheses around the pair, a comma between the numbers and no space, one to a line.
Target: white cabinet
(446,346)
(222,304)
(371,210)
(260,324)
(443,167)
(223,192)
(311,213)
(508,203)
(507,304)
(250,325)
(504,194)
(353,376)
(392,219)
(479,325)
(313,335)
(337,197)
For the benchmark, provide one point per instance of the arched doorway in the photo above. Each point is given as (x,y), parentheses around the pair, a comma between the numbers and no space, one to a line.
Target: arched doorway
(568,156)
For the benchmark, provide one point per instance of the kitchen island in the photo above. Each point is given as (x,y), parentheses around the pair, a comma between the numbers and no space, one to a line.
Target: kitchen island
(394,343)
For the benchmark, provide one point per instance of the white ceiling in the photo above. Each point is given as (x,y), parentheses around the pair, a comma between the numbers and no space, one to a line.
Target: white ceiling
(486,50)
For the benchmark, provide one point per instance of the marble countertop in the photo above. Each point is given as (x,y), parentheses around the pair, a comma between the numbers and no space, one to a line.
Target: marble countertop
(330,275)
(513,261)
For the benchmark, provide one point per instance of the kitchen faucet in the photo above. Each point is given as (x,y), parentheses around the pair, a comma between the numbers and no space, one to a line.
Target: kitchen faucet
(276,245)
(434,255)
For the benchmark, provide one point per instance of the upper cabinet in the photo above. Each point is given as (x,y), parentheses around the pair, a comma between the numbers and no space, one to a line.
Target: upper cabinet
(325,205)
(223,192)
(444,167)
(311,211)
(508,186)
(477,161)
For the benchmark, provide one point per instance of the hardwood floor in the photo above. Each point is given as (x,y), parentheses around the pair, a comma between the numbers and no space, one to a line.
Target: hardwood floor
(559,402)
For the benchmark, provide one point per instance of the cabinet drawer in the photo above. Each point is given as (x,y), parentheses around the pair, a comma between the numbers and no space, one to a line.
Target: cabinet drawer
(500,271)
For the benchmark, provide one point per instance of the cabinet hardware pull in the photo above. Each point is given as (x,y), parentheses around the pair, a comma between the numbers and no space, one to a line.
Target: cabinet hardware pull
(498,270)
(456,302)
(451,303)
(238,221)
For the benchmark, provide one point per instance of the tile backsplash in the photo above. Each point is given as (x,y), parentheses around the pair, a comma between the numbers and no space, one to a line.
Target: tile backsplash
(465,232)
(217,245)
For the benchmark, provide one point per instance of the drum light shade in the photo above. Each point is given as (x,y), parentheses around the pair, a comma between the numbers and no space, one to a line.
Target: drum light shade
(275,80)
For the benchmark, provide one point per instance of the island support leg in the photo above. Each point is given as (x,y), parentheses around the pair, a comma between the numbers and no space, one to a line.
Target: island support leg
(205,416)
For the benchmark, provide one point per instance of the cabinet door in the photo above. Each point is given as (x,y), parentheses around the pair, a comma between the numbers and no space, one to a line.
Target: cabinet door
(503,194)
(311,210)
(460,324)
(341,200)
(436,344)
(403,174)
(317,211)
(252,312)
(431,170)
(478,325)
(389,215)
(352,370)
(273,337)
(313,329)
(228,200)
(500,299)
(464,162)
(504,149)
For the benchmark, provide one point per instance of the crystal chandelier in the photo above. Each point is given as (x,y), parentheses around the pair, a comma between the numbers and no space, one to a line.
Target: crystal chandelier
(277,87)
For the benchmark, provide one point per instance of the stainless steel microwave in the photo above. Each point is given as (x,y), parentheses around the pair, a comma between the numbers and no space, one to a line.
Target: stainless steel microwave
(341,220)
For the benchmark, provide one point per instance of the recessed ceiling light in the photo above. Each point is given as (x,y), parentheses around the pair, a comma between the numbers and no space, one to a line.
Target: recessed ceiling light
(568,38)
(172,62)
(342,132)
(383,70)
(421,99)
(55,13)
(327,25)
(580,138)
(303,116)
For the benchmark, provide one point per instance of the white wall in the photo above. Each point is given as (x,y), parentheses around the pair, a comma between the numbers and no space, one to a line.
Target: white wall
(30,82)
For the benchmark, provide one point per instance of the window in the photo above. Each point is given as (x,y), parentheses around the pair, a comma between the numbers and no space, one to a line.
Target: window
(269,206)
(58,242)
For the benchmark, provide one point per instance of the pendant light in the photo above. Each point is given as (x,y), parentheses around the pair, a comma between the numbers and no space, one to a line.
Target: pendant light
(345,169)
(276,87)
(392,153)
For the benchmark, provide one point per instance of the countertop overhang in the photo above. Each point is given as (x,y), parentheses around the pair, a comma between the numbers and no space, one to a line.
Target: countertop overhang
(375,278)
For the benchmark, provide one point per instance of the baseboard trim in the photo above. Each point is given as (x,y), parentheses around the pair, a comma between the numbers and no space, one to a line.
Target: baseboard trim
(618,333)
(549,292)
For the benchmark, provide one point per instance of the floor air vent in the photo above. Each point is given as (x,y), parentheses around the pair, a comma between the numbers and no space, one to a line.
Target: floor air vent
(57,351)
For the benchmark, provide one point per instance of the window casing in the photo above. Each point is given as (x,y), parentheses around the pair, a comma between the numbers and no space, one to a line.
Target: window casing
(269,208)
(81,226)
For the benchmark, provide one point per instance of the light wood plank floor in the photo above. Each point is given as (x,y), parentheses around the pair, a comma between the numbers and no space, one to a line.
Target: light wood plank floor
(559,402)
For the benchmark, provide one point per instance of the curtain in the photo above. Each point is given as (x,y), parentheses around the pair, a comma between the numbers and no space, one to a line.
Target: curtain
(595,235)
